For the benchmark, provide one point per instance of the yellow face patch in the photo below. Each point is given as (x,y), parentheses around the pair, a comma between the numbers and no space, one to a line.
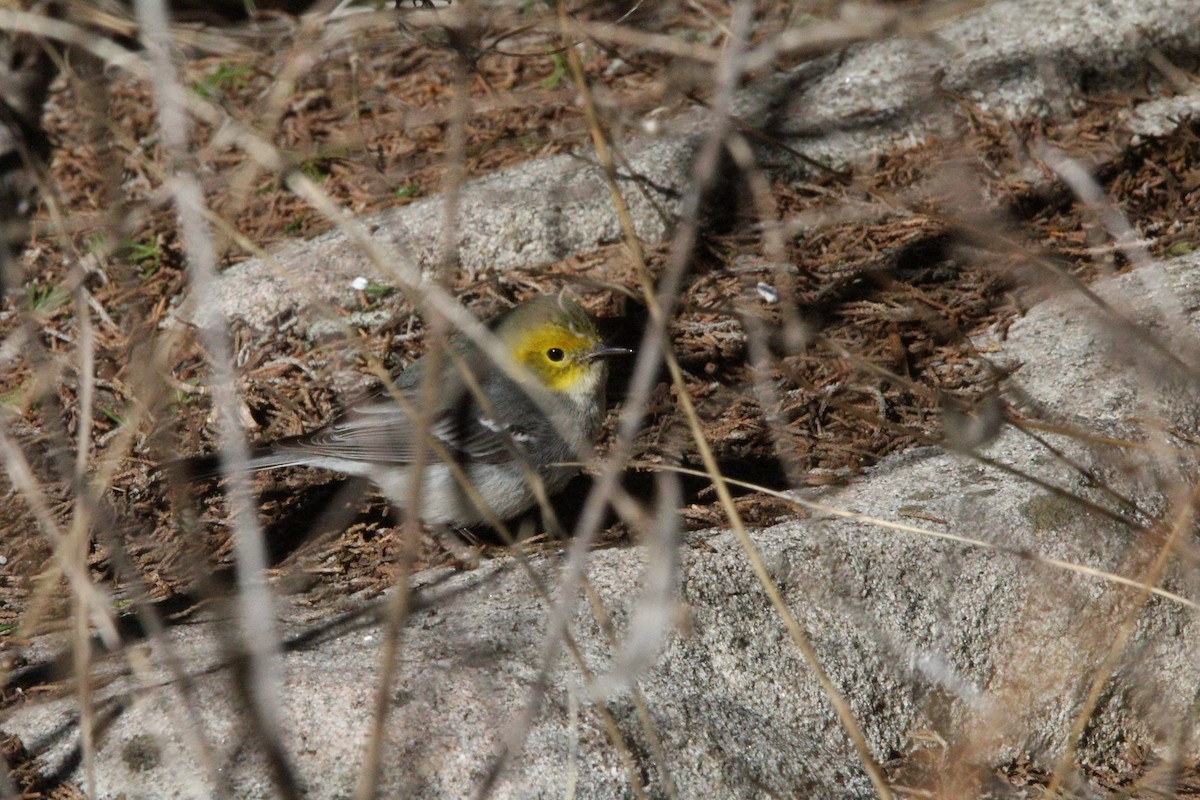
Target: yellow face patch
(555,355)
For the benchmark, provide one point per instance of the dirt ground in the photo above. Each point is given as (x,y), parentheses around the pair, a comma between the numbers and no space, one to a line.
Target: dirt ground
(886,302)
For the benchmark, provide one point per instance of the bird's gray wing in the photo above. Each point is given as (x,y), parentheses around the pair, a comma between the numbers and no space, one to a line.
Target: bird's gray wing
(380,431)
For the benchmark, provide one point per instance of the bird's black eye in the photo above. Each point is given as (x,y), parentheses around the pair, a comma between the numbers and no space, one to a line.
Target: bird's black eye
(555,354)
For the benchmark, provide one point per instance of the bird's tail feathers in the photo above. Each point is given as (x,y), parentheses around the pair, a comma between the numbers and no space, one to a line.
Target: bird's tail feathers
(212,465)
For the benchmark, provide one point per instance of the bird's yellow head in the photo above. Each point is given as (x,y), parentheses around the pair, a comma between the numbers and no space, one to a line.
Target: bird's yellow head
(556,340)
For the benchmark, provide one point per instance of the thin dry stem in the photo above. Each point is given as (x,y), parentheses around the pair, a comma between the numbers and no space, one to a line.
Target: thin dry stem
(705,168)
(834,511)
(1183,523)
(260,639)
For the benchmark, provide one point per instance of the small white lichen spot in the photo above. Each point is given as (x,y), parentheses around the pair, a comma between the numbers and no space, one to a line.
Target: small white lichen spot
(767,292)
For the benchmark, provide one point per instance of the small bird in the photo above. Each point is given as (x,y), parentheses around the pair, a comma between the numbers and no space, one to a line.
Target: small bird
(493,443)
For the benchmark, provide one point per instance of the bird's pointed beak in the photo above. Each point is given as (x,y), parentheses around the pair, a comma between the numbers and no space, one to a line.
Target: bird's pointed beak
(604,351)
